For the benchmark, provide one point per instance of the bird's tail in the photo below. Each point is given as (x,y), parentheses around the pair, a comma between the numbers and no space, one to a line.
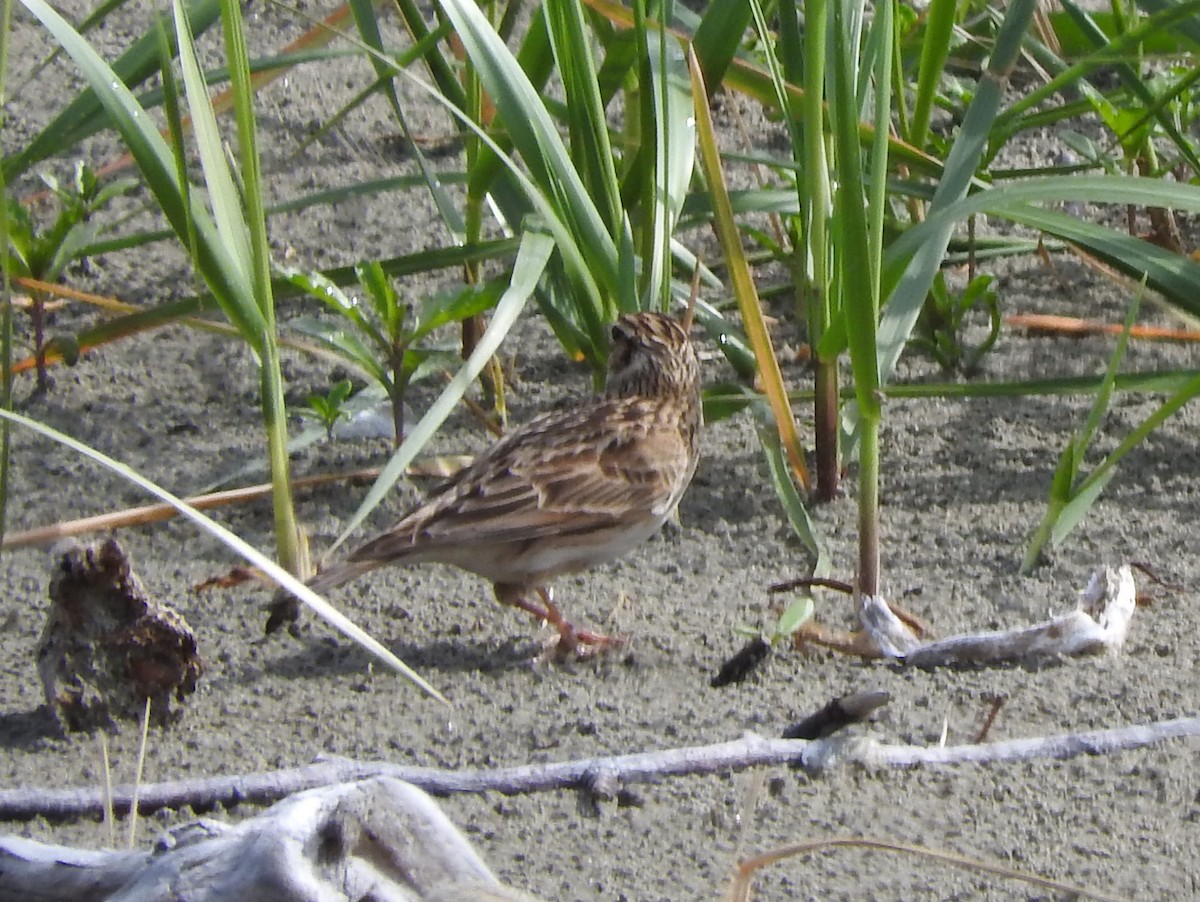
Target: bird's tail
(284,608)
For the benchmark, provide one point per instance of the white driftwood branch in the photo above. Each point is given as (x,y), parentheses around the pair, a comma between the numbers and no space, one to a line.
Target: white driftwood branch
(1099,625)
(647,767)
(380,839)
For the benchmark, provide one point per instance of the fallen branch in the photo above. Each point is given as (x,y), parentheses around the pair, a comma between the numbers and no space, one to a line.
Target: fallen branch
(647,767)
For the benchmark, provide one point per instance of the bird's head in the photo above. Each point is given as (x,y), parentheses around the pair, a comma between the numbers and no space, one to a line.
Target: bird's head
(651,355)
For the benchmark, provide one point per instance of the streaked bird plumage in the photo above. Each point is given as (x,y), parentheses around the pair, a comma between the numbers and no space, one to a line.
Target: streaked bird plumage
(568,490)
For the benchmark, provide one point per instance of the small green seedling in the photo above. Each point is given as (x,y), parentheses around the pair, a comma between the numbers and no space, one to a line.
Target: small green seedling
(939,329)
(327,409)
(386,338)
(43,254)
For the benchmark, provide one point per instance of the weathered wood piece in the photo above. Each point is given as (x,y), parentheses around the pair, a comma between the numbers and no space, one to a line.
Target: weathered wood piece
(379,839)
(1098,625)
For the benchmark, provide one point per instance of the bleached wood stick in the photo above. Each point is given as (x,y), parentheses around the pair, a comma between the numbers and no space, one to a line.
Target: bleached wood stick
(1099,625)
(646,767)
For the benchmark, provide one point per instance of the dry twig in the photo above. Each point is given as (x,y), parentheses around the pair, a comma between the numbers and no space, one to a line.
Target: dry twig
(647,767)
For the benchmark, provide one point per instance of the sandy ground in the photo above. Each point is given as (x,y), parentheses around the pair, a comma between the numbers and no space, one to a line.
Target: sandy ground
(964,486)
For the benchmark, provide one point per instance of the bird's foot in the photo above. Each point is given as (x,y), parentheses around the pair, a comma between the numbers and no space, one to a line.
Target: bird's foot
(572,643)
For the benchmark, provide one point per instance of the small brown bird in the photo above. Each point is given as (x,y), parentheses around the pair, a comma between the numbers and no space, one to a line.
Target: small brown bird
(567,491)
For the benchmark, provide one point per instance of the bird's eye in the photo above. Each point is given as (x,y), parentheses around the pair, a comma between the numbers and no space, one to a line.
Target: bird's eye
(617,332)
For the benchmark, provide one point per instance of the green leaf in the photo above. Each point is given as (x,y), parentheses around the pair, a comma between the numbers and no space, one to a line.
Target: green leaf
(157,164)
(798,613)
(348,346)
(382,295)
(785,489)
(226,203)
(86,114)
(588,249)
(455,306)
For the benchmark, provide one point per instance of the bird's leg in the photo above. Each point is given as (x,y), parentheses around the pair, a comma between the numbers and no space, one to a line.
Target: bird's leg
(569,638)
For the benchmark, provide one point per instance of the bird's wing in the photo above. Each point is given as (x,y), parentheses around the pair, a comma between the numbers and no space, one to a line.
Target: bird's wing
(621,461)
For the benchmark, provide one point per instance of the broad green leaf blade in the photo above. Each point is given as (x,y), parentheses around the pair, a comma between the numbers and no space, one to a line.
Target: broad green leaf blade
(718,37)
(329,293)
(532,258)
(321,608)
(674,161)
(798,613)
(456,306)
(345,344)
(226,204)
(382,295)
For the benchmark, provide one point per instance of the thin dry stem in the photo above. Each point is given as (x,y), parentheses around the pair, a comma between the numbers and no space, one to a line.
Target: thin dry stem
(739,891)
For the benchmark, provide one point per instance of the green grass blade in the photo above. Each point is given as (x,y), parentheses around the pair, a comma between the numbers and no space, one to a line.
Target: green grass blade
(534,134)
(247,215)
(532,258)
(1058,497)
(1169,273)
(586,123)
(674,162)
(785,490)
(1104,394)
(882,39)
(1072,513)
(1160,382)
(1134,83)
(935,50)
(442,70)
(226,204)
(1169,17)
(1068,503)
(368,28)
(1084,495)
(718,37)
(320,607)
(857,274)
